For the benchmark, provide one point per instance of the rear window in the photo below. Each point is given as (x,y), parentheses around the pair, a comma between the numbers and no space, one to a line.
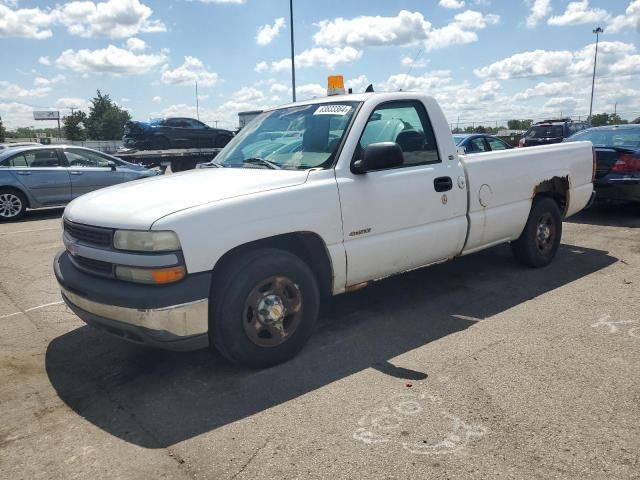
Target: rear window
(545,131)
(609,138)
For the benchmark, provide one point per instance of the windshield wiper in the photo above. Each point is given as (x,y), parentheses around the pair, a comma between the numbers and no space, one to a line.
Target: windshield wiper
(262,161)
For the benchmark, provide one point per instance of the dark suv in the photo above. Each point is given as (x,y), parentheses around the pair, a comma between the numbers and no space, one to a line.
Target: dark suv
(551,131)
(168,133)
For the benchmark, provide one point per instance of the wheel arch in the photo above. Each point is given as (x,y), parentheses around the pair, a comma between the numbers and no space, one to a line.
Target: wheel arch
(19,190)
(558,189)
(308,246)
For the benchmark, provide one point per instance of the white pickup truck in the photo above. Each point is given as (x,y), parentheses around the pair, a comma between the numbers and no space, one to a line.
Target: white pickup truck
(313,198)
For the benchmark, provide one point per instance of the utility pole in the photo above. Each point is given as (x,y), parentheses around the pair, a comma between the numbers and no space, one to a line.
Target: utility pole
(197,102)
(293,63)
(615,113)
(597,31)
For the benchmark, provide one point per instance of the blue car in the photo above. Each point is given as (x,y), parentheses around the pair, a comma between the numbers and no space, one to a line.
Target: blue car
(47,176)
(479,142)
(617,152)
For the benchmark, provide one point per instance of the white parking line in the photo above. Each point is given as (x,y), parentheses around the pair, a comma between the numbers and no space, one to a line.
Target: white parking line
(38,307)
(29,231)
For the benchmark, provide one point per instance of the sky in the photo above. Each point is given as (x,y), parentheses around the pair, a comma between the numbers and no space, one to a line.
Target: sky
(485,61)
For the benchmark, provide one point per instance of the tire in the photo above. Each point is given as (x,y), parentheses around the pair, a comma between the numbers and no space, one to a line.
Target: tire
(538,244)
(13,204)
(221,141)
(182,165)
(245,295)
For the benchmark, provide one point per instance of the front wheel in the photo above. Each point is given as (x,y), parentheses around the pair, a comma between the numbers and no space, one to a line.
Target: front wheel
(12,205)
(540,239)
(264,307)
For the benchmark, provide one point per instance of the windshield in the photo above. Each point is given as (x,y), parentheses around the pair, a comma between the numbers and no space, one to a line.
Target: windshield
(627,138)
(544,131)
(299,137)
(459,138)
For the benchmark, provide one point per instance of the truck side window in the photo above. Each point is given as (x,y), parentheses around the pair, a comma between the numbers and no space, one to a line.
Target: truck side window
(407,124)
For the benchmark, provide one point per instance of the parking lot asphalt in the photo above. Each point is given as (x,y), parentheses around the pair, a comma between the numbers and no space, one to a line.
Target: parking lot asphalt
(478,368)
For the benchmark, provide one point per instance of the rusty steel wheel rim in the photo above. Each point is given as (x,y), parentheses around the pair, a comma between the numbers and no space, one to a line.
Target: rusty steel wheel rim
(545,233)
(272,311)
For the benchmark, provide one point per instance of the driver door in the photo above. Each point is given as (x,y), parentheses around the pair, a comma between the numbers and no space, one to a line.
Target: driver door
(90,171)
(405,217)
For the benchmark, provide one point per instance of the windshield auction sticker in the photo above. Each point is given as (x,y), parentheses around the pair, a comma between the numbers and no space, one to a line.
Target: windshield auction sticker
(333,110)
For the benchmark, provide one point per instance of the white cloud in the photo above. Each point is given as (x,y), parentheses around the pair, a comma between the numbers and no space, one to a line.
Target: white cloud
(414,63)
(18,115)
(310,90)
(613,58)
(71,102)
(562,104)
(461,30)
(358,84)
(26,23)
(278,88)
(424,83)
(313,57)
(44,61)
(190,72)
(578,13)
(540,9)
(43,81)
(543,89)
(630,18)
(112,18)
(10,91)
(136,45)
(451,3)
(238,2)
(112,60)
(528,64)
(404,29)
(156,99)
(267,33)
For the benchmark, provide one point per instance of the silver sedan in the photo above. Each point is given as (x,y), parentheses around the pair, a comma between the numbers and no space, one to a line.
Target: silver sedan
(47,176)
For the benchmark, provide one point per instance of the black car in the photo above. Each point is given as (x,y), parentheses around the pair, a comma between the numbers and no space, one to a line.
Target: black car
(478,142)
(170,133)
(617,151)
(551,131)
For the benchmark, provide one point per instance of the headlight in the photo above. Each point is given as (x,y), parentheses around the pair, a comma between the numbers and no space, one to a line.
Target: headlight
(154,276)
(146,241)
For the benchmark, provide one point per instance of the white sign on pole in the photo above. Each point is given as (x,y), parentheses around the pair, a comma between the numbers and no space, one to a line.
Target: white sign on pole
(46,115)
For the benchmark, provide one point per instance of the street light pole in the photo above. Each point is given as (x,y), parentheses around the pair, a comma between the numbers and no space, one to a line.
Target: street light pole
(597,31)
(293,65)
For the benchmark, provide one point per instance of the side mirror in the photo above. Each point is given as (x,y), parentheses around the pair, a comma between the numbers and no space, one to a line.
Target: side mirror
(379,156)
(112,165)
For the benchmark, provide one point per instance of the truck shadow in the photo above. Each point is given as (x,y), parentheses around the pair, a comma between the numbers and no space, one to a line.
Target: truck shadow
(156,399)
(612,215)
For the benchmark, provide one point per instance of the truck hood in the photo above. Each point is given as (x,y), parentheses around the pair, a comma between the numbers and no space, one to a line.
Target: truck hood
(137,204)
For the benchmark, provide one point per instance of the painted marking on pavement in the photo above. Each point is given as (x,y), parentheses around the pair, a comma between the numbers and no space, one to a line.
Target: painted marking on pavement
(419,424)
(38,307)
(604,321)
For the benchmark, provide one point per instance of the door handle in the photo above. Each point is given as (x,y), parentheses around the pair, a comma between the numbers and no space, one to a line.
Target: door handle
(76,173)
(23,173)
(443,184)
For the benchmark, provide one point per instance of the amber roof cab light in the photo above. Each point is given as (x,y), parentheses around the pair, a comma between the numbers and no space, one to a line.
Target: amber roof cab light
(335,85)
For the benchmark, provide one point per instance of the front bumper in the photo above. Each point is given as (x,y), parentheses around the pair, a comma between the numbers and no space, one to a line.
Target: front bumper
(173,317)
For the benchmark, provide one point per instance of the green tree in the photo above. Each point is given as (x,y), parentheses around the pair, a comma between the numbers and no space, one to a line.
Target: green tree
(519,124)
(105,120)
(3,132)
(600,119)
(480,129)
(73,126)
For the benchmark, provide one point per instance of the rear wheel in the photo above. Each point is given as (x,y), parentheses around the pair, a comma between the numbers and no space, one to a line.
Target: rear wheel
(264,307)
(540,239)
(13,204)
